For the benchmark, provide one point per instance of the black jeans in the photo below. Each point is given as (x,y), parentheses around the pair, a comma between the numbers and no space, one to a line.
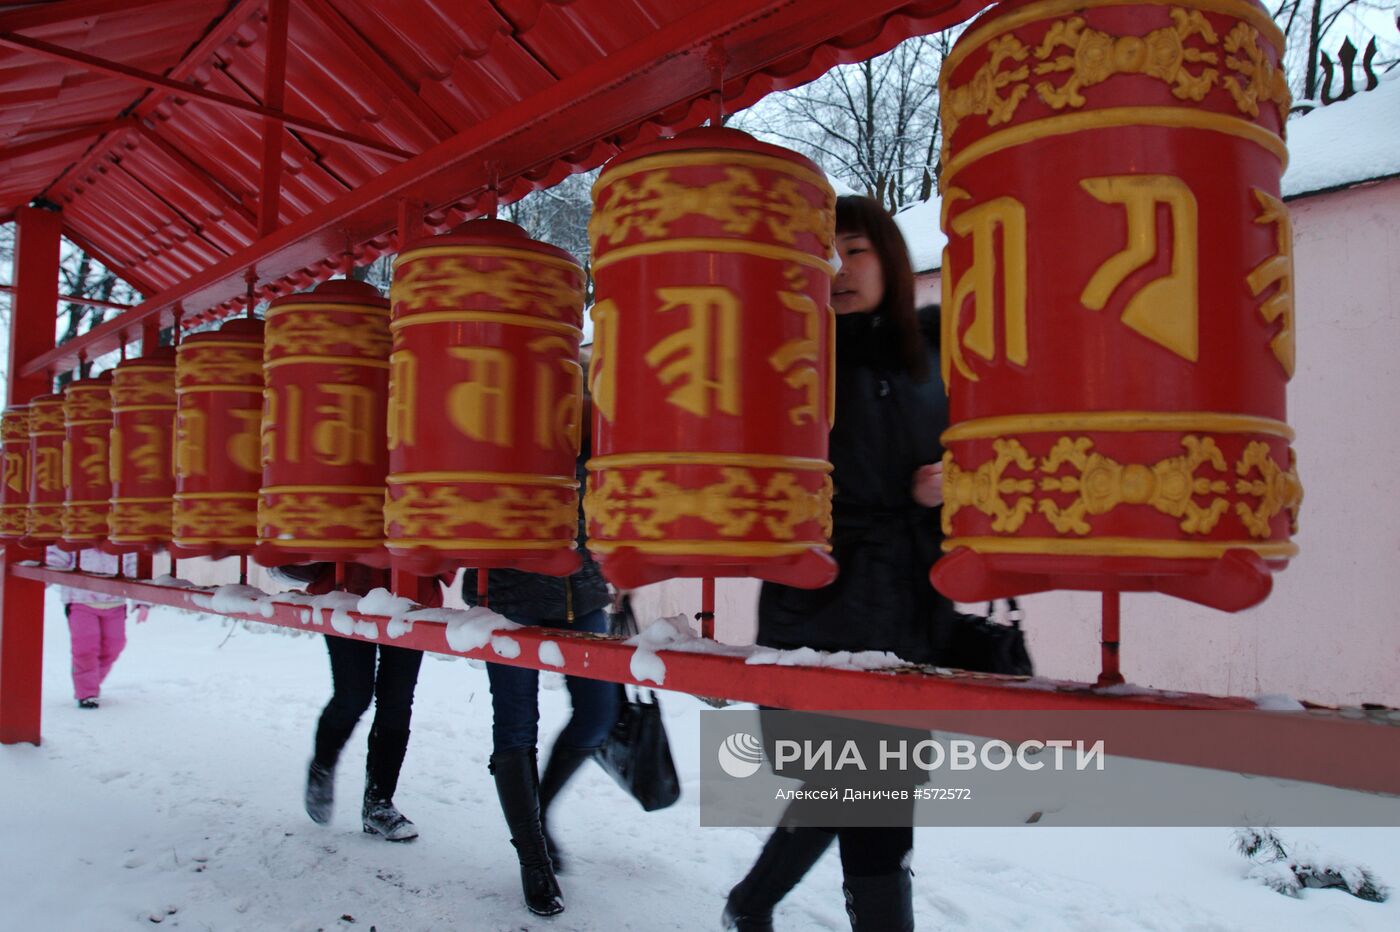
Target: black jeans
(356,681)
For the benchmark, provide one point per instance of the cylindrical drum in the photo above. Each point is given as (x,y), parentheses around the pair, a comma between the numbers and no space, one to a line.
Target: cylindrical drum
(218,420)
(87,457)
(44,520)
(1117,302)
(712,367)
(143,437)
(326,367)
(484,403)
(14,487)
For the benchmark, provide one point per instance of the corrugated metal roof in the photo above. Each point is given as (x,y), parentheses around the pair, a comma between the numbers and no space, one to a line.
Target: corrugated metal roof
(173,187)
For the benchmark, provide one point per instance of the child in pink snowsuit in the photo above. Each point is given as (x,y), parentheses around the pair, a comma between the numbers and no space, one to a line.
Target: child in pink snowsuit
(96,623)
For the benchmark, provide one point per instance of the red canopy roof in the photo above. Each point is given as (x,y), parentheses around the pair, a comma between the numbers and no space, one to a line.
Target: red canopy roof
(143,120)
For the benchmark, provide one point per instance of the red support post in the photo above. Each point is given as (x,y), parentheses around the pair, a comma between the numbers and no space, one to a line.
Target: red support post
(706,615)
(1109,674)
(22,600)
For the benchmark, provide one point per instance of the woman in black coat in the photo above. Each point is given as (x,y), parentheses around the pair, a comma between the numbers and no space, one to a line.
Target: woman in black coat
(886,458)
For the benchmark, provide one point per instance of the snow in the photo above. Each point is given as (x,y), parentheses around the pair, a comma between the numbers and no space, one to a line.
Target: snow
(396,607)
(550,654)
(471,629)
(236,599)
(180,799)
(1348,142)
(923,233)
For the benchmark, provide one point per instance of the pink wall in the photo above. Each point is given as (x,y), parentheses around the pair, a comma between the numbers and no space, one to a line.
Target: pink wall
(1331,630)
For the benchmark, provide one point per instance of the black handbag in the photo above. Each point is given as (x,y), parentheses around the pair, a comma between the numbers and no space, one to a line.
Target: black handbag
(984,645)
(637,753)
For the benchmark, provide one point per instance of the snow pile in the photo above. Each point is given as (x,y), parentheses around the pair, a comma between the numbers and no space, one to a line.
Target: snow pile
(395,607)
(340,605)
(1290,874)
(235,599)
(1347,142)
(468,630)
(923,233)
(1277,702)
(172,582)
(508,648)
(837,660)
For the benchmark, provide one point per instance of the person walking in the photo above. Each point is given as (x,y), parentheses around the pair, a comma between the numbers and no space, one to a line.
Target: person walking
(886,459)
(96,623)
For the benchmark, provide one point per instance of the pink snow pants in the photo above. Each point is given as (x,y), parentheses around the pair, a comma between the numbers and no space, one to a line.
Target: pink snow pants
(98,638)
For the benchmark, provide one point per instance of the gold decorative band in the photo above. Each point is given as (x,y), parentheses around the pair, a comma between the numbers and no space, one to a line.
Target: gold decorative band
(136,538)
(214,496)
(477,543)
(371,542)
(485,317)
(486,252)
(47,433)
(104,422)
(333,489)
(708,548)
(203,389)
(74,388)
(500,478)
(228,541)
(712,244)
(1117,547)
(87,503)
(128,409)
(250,345)
(125,369)
(684,458)
(151,500)
(327,360)
(991,428)
(1049,9)
(1112,118)
(328,308)
(724,159)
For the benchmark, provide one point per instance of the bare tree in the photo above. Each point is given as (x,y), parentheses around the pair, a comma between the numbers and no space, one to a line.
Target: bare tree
(1313,28)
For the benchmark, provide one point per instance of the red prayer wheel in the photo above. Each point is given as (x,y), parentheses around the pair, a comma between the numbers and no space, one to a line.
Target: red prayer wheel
(485,375)
(87,457)
(143,437)
(1117,310)
(44,519)
(14,485)
(712,367)
(326,367)
(218,419)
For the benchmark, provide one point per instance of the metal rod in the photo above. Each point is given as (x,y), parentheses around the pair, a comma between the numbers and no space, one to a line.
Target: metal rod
(706,615)
(340,574)
(482,585)
(243,569)
(82,301)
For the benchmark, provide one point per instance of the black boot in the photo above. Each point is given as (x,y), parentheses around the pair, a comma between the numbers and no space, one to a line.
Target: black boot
(563,763)
(379,816)
(883,903)
(320,792)
(786,858)
(517,784)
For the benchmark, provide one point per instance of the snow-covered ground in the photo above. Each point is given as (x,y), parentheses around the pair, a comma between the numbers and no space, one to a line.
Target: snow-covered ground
(178,802)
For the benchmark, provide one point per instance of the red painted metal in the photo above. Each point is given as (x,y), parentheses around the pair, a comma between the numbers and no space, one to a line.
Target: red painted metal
(485,403)
(22,600)
(60,139)
(1118,332)
(1319,745)
(143,436)
(1109,674)
(274,95)
(180,89)
(43,524)
(14,484)
(712,373)
(78,299)
(640,75)
(66,11)
(87,477)
(324,456)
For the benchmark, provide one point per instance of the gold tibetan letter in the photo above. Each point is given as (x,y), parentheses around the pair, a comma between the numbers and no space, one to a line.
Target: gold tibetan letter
(403,399)
(982,223)
(481,407)
(602,374)
(245,446)
(14,473)
(97,461)
(149,457)
(797,359)
(1277,269)
(704,354)
(345,435)
(557,417)
(191,436)
(1166,310)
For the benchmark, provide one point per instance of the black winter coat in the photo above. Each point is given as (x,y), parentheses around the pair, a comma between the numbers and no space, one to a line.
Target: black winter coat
(887,426)
(519,595)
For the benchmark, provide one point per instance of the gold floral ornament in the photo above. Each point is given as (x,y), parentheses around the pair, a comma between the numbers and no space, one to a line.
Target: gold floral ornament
(651,203)
(136,521)
(46,416)
(131,388)
(313,516)
(732,505)
(12,520)
(1276,488)
(984,487)
(84,521)
(1170,485)
(980,96)
(455,282)
(317,334)
(84,404)
(221,366)
(538,514)
(228,518)
(1098,56)
(1262,80)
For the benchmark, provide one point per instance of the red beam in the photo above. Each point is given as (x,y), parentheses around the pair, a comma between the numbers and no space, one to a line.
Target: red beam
(631,85)
(274,95)
(67,11)
(189,91)
(135,280)
(85,302)
(205,178)
(1320,745)
(60,139)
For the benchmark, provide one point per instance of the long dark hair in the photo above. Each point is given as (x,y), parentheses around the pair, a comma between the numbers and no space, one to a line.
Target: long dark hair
(856,214)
